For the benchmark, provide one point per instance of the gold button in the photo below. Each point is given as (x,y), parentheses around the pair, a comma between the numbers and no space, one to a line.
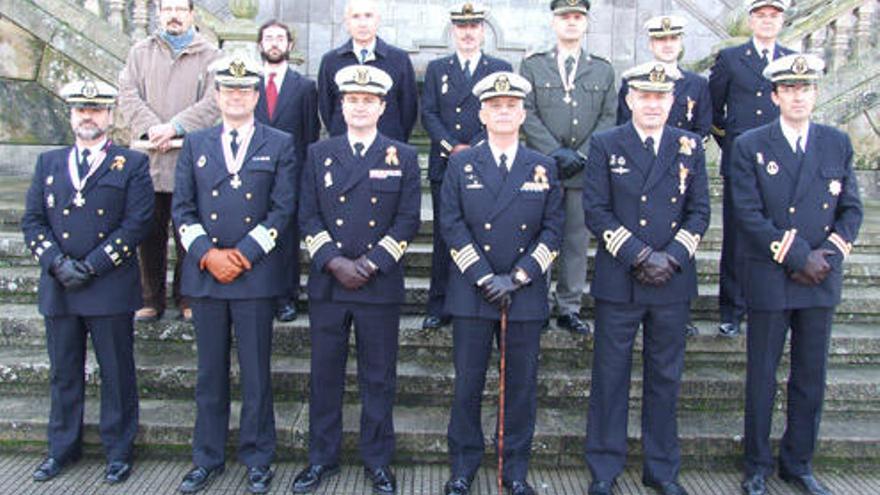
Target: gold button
(215,240)
(574,122)
(248,196)
(247,219)
(373,200)
(573,140)
(759,112)
(370,246)
(522,250)
(125,249)
(824,206)
(100,235)
(643,222)
(487,248)
(100,212)
(791,209)
(118,241)
(213,216)
(339,222)
(342,199)
(827,228)
(759,94)
(674,200)
(65,235)
(458,110)
(574,103)
(488,226)
(339,245)
(41,237)
(372,223)
(523,227)
(66,212)
(215,193)
(458,127)
(674,224)
(644,199)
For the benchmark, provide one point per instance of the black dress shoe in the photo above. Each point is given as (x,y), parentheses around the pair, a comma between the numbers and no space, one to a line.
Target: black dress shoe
(729,329)
(806,483)
(600,487)
(286,312)
(572,322)
(198,478)
(755,484)
(457,486)
(691,330)
(382,478)
(259,479)
(117,472)
(434,322)
(48,469)
(666,487)
(519,487)
(310,478)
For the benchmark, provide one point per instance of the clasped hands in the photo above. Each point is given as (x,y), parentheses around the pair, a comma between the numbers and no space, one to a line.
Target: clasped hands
(815,269)
(655,268)
(352,274)
(71,273)
(225,265)
(498,289)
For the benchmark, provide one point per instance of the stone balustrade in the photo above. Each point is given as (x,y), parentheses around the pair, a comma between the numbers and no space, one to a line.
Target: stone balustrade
(841,32)
(133,19)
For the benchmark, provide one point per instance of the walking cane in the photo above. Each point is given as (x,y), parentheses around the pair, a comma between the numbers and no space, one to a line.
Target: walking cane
(501,386)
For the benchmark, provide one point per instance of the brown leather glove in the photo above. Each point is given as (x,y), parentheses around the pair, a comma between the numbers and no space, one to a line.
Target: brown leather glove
(217,262)
(365,268)
(239,259)
(817,268)
(345,271)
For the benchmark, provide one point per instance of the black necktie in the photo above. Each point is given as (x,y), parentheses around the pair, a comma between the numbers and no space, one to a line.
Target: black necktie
(234,143)
(364,53)
(502,164)
(569,66)
(649,145)
(765,58)
(799,150)
(467,69)
(358,150)
(84,164)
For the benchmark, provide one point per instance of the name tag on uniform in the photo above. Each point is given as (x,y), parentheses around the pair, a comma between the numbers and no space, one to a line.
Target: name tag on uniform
(475,185)
(384,174)
(261,158)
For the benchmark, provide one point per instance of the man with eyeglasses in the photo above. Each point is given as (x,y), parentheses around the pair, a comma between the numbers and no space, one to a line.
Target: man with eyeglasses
(234,195)
(741,101)
(362,20)
(165,91)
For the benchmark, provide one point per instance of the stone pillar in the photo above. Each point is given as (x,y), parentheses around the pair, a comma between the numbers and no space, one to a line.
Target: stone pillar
(865,27)
(840,41)
(140,20)
(115,14)
(239,36)
(817,42)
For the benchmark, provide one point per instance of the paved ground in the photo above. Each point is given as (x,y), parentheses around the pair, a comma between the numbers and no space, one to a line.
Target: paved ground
(157,477)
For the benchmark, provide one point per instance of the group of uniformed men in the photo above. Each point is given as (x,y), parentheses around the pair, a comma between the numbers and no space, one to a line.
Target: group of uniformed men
(504,213)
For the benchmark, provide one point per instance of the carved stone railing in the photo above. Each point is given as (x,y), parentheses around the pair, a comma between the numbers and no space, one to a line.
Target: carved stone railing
(132,18)
(841,32)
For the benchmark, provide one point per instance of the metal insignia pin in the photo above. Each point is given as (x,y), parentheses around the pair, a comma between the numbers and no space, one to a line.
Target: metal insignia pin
(772,168)
(328,180)
(328,162)
(760,158)
(50,180)
(202,161)
(468,168)
(621,160)
(835,187)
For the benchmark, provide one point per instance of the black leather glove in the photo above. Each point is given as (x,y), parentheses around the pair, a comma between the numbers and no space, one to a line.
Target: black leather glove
(498,289)
(569,162)
(816,268)
(656,269)
(70,273)
(345,271)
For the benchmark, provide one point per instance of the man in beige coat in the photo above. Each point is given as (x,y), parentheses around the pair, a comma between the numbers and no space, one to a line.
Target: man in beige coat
(166,91)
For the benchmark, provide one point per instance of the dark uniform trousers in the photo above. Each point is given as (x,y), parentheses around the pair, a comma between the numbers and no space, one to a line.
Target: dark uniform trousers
(376,329)
(246,211)
(472,347)
(787,207)
(450,115)
(296,113)
(633,201)
(112,340)
(740,101)
(153,253)
(251,320)
(375,201)
(496,224)
(104,231)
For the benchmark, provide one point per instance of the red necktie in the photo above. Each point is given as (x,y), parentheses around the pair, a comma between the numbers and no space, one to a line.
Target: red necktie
(271,95)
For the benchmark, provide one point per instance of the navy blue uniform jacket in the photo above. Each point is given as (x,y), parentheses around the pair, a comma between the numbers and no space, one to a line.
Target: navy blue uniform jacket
(352,207)
(210,212)
(105,231)
(785,211)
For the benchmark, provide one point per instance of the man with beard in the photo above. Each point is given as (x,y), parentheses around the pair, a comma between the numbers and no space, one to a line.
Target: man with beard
(798,210)
(234,196)
(646,196)
(692,110)
(573,98)
(366,48)
(741,101)
(88,208)
(288,101)
(165,91)
(361,198)
(450,114)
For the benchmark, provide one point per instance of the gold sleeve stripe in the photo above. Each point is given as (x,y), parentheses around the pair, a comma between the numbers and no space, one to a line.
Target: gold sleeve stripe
(616,239)
(690,241)
(316,242)
(780,248)
(841,244)
(394,248)
(464,258)
(543,256)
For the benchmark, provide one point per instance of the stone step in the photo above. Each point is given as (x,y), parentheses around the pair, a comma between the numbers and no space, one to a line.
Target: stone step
(707,438)
(22,327)
(860,304)
(172,374)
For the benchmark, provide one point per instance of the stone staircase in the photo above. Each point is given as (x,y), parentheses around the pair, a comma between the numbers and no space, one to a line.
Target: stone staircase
(711,405)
